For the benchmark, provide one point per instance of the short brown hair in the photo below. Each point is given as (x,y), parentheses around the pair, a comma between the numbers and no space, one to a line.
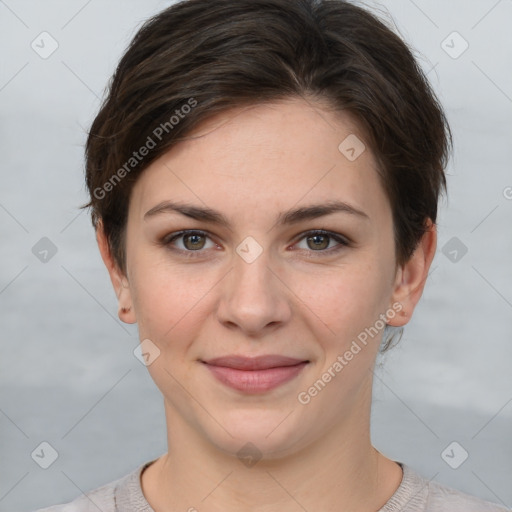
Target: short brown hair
(198,58)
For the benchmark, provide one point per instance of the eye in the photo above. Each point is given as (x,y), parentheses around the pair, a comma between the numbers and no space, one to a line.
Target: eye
(320,241)
(190,241)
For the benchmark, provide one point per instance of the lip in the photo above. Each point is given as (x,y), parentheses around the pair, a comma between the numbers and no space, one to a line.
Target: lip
(255,374)
(254,363)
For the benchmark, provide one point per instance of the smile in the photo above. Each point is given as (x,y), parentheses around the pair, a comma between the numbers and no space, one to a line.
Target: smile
(255,375)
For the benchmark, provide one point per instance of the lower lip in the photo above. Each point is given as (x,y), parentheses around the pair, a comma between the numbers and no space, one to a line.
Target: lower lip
(255,381)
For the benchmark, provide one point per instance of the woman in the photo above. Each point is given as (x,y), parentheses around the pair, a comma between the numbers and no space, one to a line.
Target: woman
(264,178)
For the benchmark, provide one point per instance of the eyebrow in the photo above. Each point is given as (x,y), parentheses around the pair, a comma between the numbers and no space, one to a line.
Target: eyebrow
(289,217)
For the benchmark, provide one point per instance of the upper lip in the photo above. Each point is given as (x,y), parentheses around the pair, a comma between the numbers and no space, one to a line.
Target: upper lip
(254,363)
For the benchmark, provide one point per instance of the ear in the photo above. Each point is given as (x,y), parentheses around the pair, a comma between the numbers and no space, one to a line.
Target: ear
(411,277)
(120,283)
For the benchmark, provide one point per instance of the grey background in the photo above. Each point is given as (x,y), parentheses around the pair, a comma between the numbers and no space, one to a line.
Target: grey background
(67,372)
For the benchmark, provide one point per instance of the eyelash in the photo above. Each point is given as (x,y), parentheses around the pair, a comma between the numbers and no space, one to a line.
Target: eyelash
(342,241)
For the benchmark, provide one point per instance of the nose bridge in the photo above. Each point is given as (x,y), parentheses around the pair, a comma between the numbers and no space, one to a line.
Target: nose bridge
(251,276)
(252,296)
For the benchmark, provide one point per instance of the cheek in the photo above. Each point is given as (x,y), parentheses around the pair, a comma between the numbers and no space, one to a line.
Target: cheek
(171,301)
(344,300)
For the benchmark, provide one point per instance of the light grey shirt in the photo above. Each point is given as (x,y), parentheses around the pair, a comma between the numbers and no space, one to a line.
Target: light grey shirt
(415,494)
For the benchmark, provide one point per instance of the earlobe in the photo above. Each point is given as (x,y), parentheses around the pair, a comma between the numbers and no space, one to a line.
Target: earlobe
(411,277)
(117,277)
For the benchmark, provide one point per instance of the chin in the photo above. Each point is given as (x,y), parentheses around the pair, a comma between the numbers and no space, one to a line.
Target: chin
(258,434)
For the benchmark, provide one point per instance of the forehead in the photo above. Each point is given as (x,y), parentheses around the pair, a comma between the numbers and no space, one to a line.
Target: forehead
(265,158)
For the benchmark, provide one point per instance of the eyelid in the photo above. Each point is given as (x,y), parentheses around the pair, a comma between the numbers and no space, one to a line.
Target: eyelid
(341,240)
(171,237)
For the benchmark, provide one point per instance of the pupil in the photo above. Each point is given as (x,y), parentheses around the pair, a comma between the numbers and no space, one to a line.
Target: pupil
(194,239)
(318,244)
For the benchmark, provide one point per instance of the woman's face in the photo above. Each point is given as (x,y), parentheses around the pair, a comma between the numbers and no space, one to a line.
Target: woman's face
(261,282)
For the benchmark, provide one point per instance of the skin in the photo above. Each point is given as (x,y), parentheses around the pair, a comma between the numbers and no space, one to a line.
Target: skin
(294,299)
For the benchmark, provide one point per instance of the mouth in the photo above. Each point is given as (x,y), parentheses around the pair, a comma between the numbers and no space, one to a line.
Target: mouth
(255,374)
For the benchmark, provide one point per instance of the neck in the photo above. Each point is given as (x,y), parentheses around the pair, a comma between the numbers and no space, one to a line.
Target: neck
(339,471)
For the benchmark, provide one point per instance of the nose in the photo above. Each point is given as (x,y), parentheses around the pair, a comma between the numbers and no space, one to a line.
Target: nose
(253,297)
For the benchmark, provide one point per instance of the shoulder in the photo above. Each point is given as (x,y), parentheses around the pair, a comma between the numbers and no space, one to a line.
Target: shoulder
(444,498)
(101,498)
(416,493)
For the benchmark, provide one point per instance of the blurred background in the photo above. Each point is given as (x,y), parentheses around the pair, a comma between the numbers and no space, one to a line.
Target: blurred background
(68,374)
